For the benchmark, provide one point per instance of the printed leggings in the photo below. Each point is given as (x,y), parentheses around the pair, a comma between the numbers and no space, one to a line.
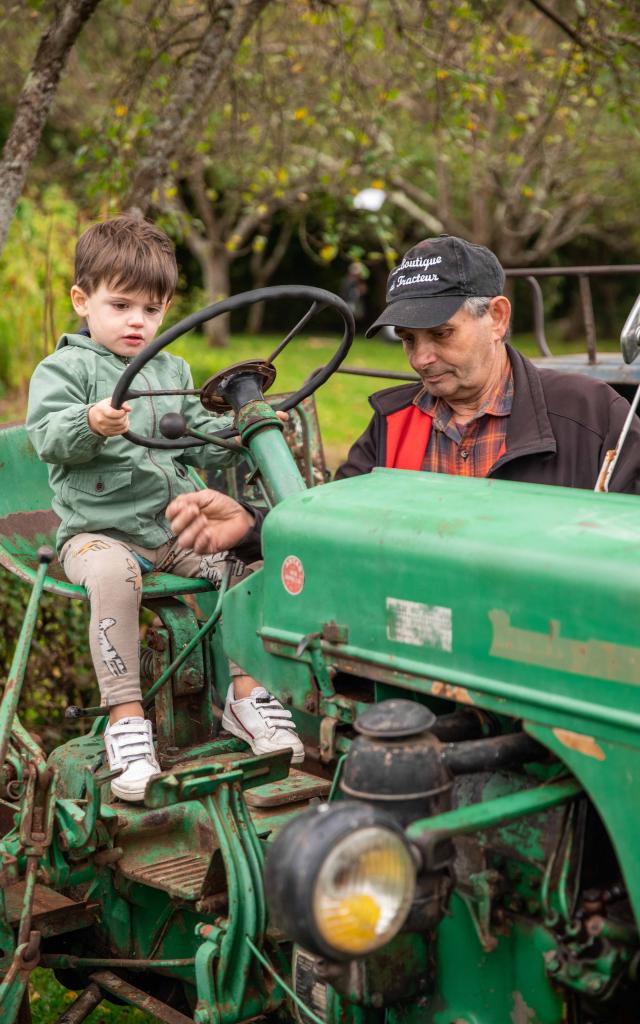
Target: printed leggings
(112,577)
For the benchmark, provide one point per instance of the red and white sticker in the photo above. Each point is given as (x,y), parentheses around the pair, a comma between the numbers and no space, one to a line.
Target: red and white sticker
(292,575)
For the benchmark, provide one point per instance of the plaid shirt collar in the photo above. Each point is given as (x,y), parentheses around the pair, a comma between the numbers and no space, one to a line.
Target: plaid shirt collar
(499,403)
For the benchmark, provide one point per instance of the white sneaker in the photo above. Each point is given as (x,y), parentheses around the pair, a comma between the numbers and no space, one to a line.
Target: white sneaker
(129,745)
(262,721)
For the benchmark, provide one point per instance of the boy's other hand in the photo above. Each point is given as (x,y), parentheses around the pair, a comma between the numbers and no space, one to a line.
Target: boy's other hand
(107,421)
(208,521)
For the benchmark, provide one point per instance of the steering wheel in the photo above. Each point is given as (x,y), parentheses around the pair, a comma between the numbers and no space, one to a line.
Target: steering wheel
(215,394)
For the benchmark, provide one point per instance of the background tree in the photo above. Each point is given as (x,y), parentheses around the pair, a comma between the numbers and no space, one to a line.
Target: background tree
(512,123)
(66,22)
(508,130)
(256,157)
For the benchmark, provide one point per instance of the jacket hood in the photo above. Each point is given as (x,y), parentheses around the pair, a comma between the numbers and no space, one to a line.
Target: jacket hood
(84,341)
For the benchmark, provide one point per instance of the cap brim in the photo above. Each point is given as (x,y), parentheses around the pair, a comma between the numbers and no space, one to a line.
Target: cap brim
(417,313)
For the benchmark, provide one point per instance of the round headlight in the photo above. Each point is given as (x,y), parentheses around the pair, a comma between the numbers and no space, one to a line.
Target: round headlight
(363,891)
(340,880)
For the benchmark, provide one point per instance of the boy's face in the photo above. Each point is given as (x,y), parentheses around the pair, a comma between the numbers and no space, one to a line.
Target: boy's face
(121,320)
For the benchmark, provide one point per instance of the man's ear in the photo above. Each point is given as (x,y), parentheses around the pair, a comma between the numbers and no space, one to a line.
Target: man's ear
(500,310)
(79,300)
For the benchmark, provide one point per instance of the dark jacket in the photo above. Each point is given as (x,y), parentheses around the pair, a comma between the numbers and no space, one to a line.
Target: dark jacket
(560,429)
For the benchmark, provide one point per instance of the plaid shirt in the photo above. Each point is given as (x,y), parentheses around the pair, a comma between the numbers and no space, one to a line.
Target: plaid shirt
(472,449)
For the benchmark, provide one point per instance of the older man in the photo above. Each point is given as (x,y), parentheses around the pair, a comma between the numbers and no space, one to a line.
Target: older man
(480,409)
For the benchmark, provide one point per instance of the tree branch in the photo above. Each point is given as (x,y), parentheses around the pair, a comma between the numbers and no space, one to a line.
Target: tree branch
(431,223)
(35,102)
(563,25)
(229,22)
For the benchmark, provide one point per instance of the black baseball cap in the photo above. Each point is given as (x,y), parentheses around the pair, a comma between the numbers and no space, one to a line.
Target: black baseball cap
(434,279)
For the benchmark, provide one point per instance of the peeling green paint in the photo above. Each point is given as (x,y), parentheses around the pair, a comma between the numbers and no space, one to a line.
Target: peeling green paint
(599,659)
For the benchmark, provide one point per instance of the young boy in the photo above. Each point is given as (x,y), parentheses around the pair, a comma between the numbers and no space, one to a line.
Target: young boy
(111,495)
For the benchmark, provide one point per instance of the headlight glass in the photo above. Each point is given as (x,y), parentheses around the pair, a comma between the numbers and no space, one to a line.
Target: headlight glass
(363,891)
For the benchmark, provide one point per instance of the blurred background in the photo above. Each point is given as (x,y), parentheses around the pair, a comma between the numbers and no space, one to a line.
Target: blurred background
(304,141)
(312,141)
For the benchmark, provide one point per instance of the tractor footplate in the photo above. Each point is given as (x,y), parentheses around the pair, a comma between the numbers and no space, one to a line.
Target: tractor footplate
(53,913)
(298,787)
(182,877)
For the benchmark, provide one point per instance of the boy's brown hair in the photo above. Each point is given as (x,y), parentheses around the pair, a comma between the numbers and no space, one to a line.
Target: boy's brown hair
(129,253)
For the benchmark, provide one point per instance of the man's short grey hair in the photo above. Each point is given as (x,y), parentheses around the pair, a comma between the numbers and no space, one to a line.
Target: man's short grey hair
(477,306)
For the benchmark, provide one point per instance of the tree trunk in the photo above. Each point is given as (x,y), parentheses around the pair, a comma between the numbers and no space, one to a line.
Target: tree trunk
(35,102)
(262,271)
(215,272)
(192,95)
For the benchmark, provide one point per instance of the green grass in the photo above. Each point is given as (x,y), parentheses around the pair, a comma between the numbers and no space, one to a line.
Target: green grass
(49,1000)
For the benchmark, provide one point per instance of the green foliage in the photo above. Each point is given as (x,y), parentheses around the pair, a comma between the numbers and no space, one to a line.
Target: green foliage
(59,670)
(36,268)
(49,1000)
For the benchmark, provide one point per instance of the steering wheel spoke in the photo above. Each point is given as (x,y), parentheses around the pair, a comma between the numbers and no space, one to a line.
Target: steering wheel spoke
(216,393)
(161,391)
(311,312)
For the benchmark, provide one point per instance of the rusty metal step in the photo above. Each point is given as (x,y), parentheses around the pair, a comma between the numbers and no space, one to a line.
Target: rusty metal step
(181,876)
(298,787)
(53,913)
(112,985)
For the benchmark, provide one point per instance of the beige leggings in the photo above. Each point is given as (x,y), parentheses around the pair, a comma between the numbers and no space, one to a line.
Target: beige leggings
(113,581)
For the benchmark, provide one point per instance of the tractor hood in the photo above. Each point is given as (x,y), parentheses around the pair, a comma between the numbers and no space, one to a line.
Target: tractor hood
(523,598)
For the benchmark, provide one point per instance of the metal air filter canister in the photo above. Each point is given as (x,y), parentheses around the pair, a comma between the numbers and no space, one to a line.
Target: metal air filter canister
(396,762)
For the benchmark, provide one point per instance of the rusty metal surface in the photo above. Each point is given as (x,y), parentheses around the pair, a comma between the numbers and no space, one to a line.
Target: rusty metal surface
(24,1013)
(587,316)
(212,393)
(44,900)
(597,270)
(53,913)
(83,1006)
(24,533)
(181,877)
(115,986)
(299,786)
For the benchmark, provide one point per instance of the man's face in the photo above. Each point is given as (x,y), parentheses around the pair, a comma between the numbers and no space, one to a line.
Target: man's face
(121,320)
(459,359)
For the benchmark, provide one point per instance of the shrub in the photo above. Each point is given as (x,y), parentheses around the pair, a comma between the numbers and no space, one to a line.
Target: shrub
(36,268)
(59,670)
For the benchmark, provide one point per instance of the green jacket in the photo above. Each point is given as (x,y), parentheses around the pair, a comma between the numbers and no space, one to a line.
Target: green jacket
(106,484)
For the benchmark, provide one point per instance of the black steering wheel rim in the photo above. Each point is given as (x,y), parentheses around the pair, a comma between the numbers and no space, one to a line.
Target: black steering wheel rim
(319,296)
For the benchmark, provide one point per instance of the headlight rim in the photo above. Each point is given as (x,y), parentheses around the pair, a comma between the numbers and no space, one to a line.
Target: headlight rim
(399,917)
(296,858)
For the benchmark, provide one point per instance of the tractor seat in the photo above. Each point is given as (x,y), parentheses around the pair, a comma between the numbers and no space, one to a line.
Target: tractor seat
(27,521)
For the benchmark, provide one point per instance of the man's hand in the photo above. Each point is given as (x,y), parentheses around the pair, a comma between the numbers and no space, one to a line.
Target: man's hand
(208,521)
(107,421)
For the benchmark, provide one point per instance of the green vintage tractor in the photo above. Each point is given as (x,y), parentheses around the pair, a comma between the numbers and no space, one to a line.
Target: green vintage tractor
(461,845)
